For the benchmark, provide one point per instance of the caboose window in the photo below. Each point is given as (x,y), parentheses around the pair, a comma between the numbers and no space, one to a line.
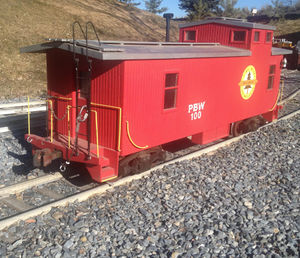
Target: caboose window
(171,80)
(190,35)
(239,36)
(268,36)
(256,36)
(271,76)
(171,86)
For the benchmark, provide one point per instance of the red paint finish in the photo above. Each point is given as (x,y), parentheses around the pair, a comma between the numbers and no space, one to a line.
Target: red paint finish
(207,99)
(223,34)
(212,81)
(106,97)
(107,90)
(106,85)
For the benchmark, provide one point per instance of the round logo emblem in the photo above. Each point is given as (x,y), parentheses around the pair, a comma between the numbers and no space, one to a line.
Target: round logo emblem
(248,82)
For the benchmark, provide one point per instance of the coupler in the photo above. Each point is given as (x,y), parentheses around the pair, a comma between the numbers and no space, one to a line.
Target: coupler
(44,157)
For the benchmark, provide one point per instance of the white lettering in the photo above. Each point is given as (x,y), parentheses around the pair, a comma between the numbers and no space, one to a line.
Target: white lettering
(202,105)
(196,110)
(195,107)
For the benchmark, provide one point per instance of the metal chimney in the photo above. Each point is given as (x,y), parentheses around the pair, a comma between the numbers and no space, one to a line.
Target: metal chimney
(168,17)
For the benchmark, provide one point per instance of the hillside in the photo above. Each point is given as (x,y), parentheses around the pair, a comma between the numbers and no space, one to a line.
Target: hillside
(28,22)
(288,29)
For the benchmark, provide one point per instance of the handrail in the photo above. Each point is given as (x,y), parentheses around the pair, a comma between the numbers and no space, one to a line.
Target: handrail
(60,98)
(96,124)
(51,119)
(95,32)
(120,120)
(130,139)
(89,80)
(73,35)
(279,96)
(69,128)
(76,61)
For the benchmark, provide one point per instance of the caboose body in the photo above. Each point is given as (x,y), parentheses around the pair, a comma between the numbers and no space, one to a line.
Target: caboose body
(112,100)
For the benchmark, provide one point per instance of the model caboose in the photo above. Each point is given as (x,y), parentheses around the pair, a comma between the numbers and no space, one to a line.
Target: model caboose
(120,101)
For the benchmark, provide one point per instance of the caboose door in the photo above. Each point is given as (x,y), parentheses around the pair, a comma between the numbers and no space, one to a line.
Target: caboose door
(82,106)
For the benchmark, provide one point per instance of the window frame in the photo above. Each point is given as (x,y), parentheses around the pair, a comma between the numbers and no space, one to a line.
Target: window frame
(261,37)
(185,32)
(268,33)
(165,88)
(238,41)
(271,75)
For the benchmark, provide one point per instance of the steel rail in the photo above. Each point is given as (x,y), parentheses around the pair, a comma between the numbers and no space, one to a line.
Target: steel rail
(289,97)
(21,104)
(84,195)
(20,187)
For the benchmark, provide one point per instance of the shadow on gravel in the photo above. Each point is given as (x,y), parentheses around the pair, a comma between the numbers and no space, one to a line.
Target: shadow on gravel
(78,176)
(26,159)
(23,169)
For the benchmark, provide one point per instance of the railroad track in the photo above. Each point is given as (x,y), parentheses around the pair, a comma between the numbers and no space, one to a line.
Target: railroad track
(14,197)
(13,116)
(21,107)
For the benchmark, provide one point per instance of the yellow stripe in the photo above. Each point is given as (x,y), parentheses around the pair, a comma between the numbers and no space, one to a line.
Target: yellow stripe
(111,178)
(96,122)
(62,98)
(120,119)
(135,145)
(51,119)
(279,96)
(69,129)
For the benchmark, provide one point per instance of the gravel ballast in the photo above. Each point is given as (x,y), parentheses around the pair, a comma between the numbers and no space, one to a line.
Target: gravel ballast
(242,200)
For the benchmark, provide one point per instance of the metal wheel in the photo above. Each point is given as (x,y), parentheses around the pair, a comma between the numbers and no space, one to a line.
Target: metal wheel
(141,161)
(237,129)
(247,125)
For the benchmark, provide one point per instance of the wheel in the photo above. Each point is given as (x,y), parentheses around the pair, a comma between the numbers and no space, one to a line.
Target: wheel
(132,165)
(237,128)
(141,161)
(247,125)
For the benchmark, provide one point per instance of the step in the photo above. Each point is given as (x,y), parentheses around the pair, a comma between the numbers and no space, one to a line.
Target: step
(104,162)
(107,173)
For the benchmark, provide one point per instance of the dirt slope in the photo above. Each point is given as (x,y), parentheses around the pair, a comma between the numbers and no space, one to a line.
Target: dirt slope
(28,22)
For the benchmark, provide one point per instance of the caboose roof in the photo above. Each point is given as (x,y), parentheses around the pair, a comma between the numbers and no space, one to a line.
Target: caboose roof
(123,50)
(229,21)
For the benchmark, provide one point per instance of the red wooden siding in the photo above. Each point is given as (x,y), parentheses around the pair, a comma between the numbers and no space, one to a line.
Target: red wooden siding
(206,79)
(217,33)
(107,90)
(60,70)
(106,84)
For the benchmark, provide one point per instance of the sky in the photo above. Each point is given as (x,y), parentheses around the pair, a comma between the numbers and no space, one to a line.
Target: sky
(173,5)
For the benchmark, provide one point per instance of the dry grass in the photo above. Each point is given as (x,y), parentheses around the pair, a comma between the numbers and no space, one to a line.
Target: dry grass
(28,22)
(287,27)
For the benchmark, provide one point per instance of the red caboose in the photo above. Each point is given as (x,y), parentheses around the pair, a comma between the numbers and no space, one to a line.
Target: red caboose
(111,101)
